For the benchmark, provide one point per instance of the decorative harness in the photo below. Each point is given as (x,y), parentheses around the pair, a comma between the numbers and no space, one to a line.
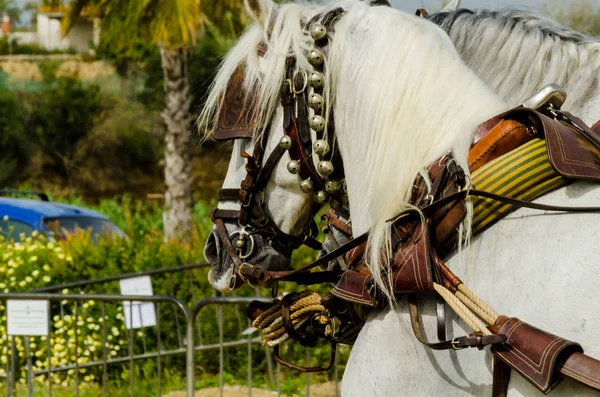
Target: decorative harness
(237,120)
(419,238)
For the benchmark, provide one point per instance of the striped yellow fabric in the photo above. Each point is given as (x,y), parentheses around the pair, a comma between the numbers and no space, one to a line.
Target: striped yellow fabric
(524,173)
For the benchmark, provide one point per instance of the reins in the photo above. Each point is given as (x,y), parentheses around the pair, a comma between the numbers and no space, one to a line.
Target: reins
(299,276)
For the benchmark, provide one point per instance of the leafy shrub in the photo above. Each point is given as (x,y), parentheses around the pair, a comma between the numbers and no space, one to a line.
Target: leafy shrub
(14,143)
(63,114)
(48,70)
(122,152)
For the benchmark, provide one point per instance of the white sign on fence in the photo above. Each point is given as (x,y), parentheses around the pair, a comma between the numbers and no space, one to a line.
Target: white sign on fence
(138,314)
(27,317)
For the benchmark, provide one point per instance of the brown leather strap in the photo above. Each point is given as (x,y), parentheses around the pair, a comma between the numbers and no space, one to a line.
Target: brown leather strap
(333,218)
(500,378)
(217,213)
(228,194)
(305,340)
(227,243)
(440,313)
(478,341)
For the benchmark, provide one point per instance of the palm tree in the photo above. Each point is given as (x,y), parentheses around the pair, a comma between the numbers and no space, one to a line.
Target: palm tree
(173,25)
(10,9)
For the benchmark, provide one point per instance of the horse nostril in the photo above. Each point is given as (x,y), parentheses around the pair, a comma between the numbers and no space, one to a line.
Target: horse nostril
(212,249)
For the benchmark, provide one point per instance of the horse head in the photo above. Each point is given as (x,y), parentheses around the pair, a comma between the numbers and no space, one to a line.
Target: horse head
(351,103)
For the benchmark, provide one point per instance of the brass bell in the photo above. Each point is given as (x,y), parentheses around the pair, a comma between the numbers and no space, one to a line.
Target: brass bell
(321,147)
(240,243)
(317,123)
(315,57)
(285,142)
(332,187)
(325,168)
(316,79)
(318,31)
(315,101)
(321,197)
(306,186)
(293,166)
(335,204)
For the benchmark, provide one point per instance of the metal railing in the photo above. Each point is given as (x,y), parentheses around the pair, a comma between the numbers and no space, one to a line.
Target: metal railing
(106,360)
(185,335)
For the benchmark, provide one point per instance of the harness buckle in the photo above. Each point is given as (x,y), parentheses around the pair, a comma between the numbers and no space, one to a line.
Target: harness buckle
(455,344)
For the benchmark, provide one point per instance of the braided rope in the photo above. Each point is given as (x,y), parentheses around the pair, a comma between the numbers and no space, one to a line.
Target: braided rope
(490,313)
(474,308)
(462,310)
(306,305)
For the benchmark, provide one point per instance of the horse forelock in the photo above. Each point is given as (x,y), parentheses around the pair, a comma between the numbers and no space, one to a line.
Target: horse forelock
(531,51)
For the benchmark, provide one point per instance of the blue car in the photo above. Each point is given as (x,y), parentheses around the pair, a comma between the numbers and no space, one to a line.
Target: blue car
(21,215)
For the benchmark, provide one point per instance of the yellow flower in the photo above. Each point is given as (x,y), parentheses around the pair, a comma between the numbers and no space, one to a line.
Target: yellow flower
(46,268)
(35,273)
(46,279)
(33,258)
(5,217)
(69,258)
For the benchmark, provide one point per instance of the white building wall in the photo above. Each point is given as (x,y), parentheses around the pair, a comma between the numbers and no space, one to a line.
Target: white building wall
(49,33)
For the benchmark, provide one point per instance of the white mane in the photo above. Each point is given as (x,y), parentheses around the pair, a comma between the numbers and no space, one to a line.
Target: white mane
(402,98)
(516,53)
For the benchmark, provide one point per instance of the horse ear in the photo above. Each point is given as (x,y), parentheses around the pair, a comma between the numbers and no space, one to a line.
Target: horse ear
(452,6)
(259,10)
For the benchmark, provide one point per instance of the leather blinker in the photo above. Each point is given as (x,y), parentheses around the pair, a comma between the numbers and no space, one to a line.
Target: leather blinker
(237,117)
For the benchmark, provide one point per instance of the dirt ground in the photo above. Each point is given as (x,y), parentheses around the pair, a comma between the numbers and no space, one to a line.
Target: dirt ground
(321,390)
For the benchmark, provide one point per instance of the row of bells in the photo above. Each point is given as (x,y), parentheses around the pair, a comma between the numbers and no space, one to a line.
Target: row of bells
(321,147)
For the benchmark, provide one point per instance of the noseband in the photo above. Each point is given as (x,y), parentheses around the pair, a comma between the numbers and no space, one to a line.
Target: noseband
(322,181)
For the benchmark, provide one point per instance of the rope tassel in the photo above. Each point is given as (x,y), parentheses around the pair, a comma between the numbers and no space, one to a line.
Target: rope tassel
(302,307)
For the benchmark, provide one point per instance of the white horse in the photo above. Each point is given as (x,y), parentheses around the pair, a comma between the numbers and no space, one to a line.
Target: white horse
(515,53)
(402,97)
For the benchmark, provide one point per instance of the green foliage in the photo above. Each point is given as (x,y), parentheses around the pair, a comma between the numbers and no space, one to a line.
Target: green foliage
(120,153)
(11,9)
(48,70)
(63,114)
(13,47)
(14,143)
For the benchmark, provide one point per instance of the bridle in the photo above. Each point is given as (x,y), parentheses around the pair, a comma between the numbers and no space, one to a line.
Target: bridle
(323,180)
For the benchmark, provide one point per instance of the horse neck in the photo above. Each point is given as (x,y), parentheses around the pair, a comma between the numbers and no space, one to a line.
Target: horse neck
(516,53)
(398,107)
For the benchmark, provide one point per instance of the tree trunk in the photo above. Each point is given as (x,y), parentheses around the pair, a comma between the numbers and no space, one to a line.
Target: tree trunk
(178,151)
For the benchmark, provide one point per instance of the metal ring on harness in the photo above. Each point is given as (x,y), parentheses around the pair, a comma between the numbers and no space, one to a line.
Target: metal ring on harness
(243,236)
